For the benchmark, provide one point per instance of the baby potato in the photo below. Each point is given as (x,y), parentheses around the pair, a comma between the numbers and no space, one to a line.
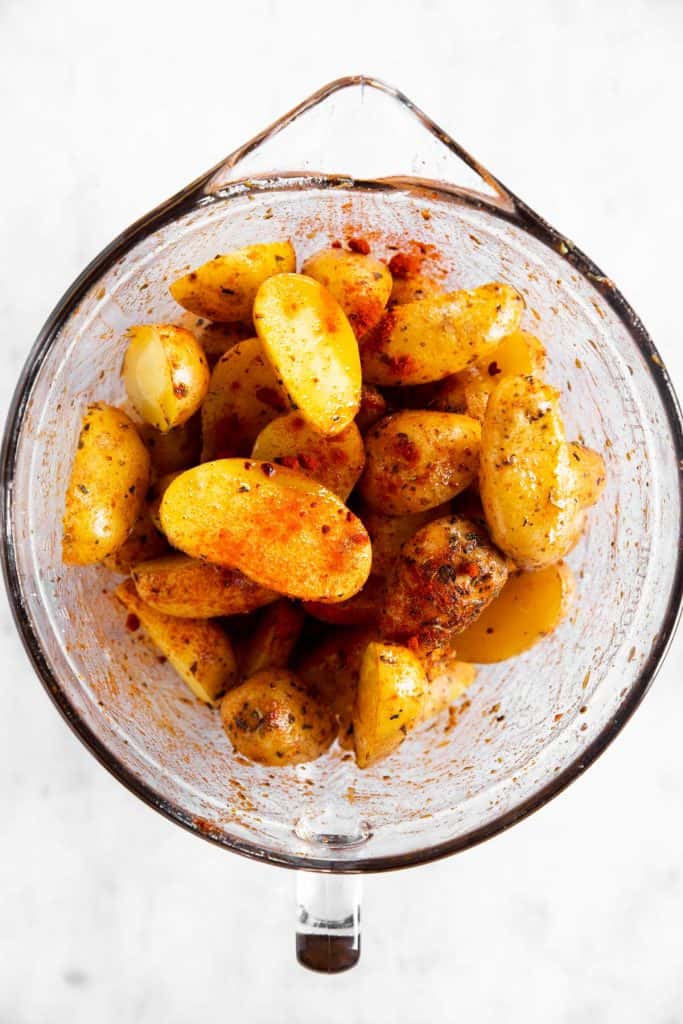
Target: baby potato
(447,573)
(282,529)
(107,486)
(360,610)
(589,473)
(174,450)
(192,589)
(336,462)
(224,289)
(530,605)
(372,407)
(528,488)
(313,349)
(243,397)
(390,701)
(388,534)
(426,341)
(413,288)
(156,493)
(274,638)
(449,680)
(142,543)
(360,284)
(273,719)
(166,374)
(200,652)
(417,460)
(216,339)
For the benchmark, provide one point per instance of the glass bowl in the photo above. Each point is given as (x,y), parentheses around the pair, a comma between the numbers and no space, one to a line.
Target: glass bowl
(356,158)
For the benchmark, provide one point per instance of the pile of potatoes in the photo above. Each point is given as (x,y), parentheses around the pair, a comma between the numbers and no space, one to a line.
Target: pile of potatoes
(343,488)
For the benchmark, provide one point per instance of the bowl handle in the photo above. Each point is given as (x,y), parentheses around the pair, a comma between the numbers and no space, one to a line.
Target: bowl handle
(327,921)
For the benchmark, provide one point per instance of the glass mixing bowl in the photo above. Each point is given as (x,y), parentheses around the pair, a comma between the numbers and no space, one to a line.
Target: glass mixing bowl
(357,157)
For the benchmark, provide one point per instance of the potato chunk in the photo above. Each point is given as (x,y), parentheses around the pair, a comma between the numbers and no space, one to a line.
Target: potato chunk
(189,588)
(166,374)
(360,284)
(392,689)
(589,473)
(274,638)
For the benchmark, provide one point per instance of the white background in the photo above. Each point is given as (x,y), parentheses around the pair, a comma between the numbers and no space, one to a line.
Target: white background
(109,913)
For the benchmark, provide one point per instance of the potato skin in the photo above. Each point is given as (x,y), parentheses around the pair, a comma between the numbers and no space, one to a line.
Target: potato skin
(390,701)
(166,374)
(360,284)
(191,589)
(216,338)
(272,719)
(332,668)
(224,288)
(373,407)
(427,340)
(176,449)
(144,542)
(446,575)
(388,534)
(416,460)
(275,637)
(413,288)
(107,486)
(589,473)
(200,652)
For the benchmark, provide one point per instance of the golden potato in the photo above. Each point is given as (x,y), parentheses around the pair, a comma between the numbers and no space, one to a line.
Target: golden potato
(360,610)
(388,534)
(143,542)
(528,488)
(280,528)
(175,450)
(313,349)
(416,460)
(273,719)
(199,651)
(413,288)
(448,680)
(243,397)
(589,472)
(372,407)
(107,486)
(192,589)
(275,637)
(216,338)
(530,605)
(336,462)
(427,340)
(390,701)
(156,493)
(360,284)
(446,575)
(166,374)
(224,289)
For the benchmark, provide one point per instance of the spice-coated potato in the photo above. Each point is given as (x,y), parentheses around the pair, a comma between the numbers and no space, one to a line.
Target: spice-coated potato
(272,719)
(413,288)
(530,605)
(156,493)
(216,338)
(388,534)
(166,374)
(416,460)
(589,472)
(447,681)
(274,638)
(312,347)
(142,543)
(224,289)
(390,701)
(446,575)
(373,407)
(243,397)
(428,340)
(360,610)
(192,589)
(360,284)
(199,650)
(528,487)
(280,528)
(107,486)
(175,450)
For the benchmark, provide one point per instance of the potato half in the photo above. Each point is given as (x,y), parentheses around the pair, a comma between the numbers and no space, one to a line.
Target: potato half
(166,374)
(189,588)
(392,689)
(360,284)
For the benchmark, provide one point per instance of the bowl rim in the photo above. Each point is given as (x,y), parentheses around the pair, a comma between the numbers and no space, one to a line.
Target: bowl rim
(520,214)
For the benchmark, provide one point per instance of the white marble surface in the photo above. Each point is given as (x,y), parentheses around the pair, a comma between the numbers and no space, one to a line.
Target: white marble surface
(107,912)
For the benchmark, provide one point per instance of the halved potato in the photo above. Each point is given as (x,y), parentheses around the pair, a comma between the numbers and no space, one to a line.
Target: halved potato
(312,347)
(280,528)
(274,639)
(216,338)
(336,462)
(388,534)
(416,460)
(200,652)
(174,450)
(143,542)
(192,589)
(413,288)
(360,284)
(156,493)
(530,605)
(243,397)
(274,720)
(426,341)
(360,610)
(589,470)
(224,289)
(373,407)
(107,486)
(392,689)
(166,374)
(448,680)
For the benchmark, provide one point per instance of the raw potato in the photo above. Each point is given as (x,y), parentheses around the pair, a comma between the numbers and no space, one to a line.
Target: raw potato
(243,397)
(528,487)
(530,605)
(143,542)
(107,486)
(589,471)
(280,528)
(336,462)
(392,689)
(413,288)
(272,719)
(156,493)
(166,374)
(426,341)
(274,638)
(224,289)
(360,284)
(446,575)
(372,408)
(198,650)
(333,669)
(360,610)
(188,588)
(175,450)
(447,683)
(388,534)
(417,460)
(313,349)
(214,338)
